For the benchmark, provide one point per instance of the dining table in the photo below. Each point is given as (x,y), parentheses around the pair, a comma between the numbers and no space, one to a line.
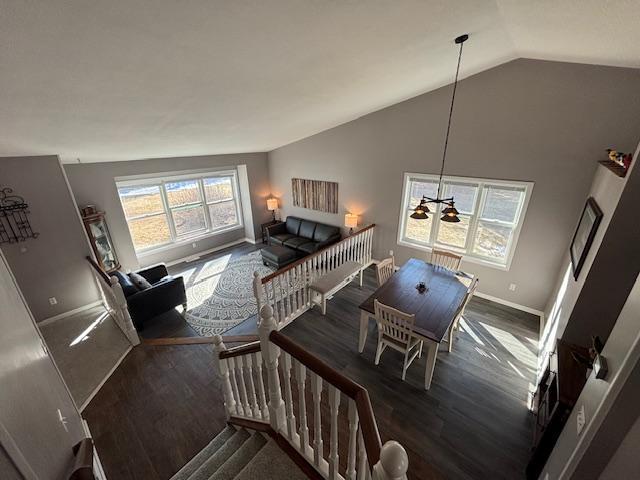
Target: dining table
(435,307)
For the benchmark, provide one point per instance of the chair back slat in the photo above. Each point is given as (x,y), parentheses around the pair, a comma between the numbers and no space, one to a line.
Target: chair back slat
(384,269)
(446,259)
(393,323)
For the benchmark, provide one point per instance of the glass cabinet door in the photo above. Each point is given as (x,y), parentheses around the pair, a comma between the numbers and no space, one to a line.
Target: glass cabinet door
(102,244)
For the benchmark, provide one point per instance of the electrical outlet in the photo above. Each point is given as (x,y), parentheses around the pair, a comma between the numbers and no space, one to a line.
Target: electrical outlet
(23,249)
(63,420)
(53,301)
(512,287)
(194,245)
(581,419)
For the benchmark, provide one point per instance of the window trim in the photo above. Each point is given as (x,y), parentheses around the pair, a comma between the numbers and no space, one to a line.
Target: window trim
(200,234)
(479,203)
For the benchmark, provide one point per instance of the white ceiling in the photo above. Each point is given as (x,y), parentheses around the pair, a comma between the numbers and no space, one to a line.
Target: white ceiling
(129,79)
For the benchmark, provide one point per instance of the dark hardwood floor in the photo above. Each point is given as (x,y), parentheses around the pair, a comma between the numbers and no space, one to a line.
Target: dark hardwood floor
(164,403)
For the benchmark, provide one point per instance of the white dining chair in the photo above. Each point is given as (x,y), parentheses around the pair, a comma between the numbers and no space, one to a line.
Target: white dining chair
(395,330)
(467,298)
(385,268)
(446,259)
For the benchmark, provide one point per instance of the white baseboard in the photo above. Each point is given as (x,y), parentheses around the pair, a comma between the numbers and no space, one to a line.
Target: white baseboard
(252,240)
(104,380)
(196,256)
(49,320)
(517,306)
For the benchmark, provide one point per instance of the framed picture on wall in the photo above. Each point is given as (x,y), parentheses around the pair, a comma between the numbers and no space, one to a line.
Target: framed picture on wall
(583,238)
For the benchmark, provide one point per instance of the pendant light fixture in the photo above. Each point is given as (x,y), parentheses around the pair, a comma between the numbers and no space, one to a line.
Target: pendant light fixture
(450,213)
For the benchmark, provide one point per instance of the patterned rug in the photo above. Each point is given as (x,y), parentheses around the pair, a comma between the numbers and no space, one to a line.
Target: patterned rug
(220,292)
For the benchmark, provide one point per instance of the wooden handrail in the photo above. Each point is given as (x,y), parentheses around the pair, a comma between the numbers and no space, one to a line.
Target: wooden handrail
(83,462)
(370,434)
(319,252)
(198,340)
(246,349)
(99,271)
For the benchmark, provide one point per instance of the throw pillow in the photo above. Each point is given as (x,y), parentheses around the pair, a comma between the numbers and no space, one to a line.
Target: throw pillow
(139,281)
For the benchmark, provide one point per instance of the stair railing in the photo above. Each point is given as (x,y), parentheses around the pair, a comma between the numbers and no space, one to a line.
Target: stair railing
(287,289)
(289,406)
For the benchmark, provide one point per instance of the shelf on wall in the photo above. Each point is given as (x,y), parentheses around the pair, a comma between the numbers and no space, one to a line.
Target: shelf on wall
(616,168)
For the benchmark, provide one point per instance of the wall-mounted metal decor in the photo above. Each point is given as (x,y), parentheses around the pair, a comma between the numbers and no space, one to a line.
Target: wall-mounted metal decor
(315,194)
(14,224)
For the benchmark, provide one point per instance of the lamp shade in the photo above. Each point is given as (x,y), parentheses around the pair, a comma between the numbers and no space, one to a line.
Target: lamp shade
(351,220)
(272,204)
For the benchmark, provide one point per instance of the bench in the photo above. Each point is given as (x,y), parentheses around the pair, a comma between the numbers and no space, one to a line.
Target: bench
(330,283)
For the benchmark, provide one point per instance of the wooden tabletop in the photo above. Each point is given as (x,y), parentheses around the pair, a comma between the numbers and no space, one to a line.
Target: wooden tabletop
(434,309)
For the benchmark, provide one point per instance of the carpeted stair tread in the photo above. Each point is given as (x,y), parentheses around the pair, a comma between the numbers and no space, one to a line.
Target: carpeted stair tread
(213,446)
(211,464)
(271,463)
(236,462)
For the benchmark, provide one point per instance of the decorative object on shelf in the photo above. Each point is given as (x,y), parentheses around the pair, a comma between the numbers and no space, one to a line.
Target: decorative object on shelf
(617,162)
(14,223)
(315,194)
(272,206)
(449,213)
(583,238)
(100,239)
(421,287)
(351,221)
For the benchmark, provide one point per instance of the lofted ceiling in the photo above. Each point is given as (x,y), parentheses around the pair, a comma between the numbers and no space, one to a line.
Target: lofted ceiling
(130,79)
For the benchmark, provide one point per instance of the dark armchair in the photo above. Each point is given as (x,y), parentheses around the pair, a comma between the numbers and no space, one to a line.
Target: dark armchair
(148,300)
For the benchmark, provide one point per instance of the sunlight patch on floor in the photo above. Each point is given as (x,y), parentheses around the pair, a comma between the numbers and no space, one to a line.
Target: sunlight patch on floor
(85,334)
(514,346)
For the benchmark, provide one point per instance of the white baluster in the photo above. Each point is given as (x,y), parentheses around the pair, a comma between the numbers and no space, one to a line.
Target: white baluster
(393,463)
(288,400)
(353,437)
(229,402)
(334,402)
(251,389)
(316,391)
(256,358)
(234,386)
(301,376)
(270,353)
(243,388)
(363,462)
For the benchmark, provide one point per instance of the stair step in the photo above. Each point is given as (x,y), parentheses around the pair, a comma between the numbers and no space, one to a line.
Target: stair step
(213,446)
(236,462)
(271,463)
(210,465)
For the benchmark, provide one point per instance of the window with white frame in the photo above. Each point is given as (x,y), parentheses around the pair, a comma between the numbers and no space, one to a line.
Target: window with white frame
(491,215)
(167,210)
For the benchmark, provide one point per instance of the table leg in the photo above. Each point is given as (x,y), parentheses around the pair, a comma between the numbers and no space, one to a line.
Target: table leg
(432,352)
(364,328)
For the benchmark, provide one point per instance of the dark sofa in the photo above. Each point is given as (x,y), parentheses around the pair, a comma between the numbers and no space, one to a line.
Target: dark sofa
(162,293)
(303,236)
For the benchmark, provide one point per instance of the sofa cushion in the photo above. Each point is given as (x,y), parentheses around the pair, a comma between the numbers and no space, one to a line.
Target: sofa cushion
(128,287)
(295,242)
(280,238)
(324,232)
(308,248)
(293,225)
(306,229)
(139,281)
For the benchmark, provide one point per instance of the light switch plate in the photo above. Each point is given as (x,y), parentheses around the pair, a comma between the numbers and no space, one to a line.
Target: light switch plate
(581,419)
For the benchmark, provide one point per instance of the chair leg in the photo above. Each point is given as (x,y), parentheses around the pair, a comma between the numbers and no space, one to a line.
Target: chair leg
(360,278)
(420,352)
(378,352)
(404,364)
(450,342)
(324,305)
(184,308)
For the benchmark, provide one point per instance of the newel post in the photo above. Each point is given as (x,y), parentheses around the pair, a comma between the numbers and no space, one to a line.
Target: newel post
(229,402)
(122,312)
(393,463)
(270,355)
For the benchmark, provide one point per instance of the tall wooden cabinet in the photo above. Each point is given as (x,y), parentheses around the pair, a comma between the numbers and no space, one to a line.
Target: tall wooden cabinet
(557,393)
(101,243)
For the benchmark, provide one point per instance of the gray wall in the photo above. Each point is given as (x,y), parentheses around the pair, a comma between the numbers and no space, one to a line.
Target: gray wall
(54,264)
(546,122)
(93,183)
(626,461)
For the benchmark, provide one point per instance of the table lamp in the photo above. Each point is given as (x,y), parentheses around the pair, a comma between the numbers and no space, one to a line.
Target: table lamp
(272,206)
(351,221)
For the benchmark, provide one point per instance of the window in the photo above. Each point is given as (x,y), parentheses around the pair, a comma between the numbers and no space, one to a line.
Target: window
(491,214)
(165,211)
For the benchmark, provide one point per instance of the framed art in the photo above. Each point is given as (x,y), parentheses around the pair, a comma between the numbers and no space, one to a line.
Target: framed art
(315,194)
(583,238)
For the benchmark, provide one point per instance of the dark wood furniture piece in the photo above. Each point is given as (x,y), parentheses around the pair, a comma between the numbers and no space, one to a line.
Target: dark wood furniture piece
(100,240)
(435,308)
(557,393)
(616,168)
(265,226)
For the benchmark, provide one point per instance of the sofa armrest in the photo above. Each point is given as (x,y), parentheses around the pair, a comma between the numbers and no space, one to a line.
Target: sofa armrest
(154,273)
(329,241)
(276,229)
(158,299)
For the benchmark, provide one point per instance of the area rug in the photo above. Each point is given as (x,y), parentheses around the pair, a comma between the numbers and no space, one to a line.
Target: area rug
(220,292)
